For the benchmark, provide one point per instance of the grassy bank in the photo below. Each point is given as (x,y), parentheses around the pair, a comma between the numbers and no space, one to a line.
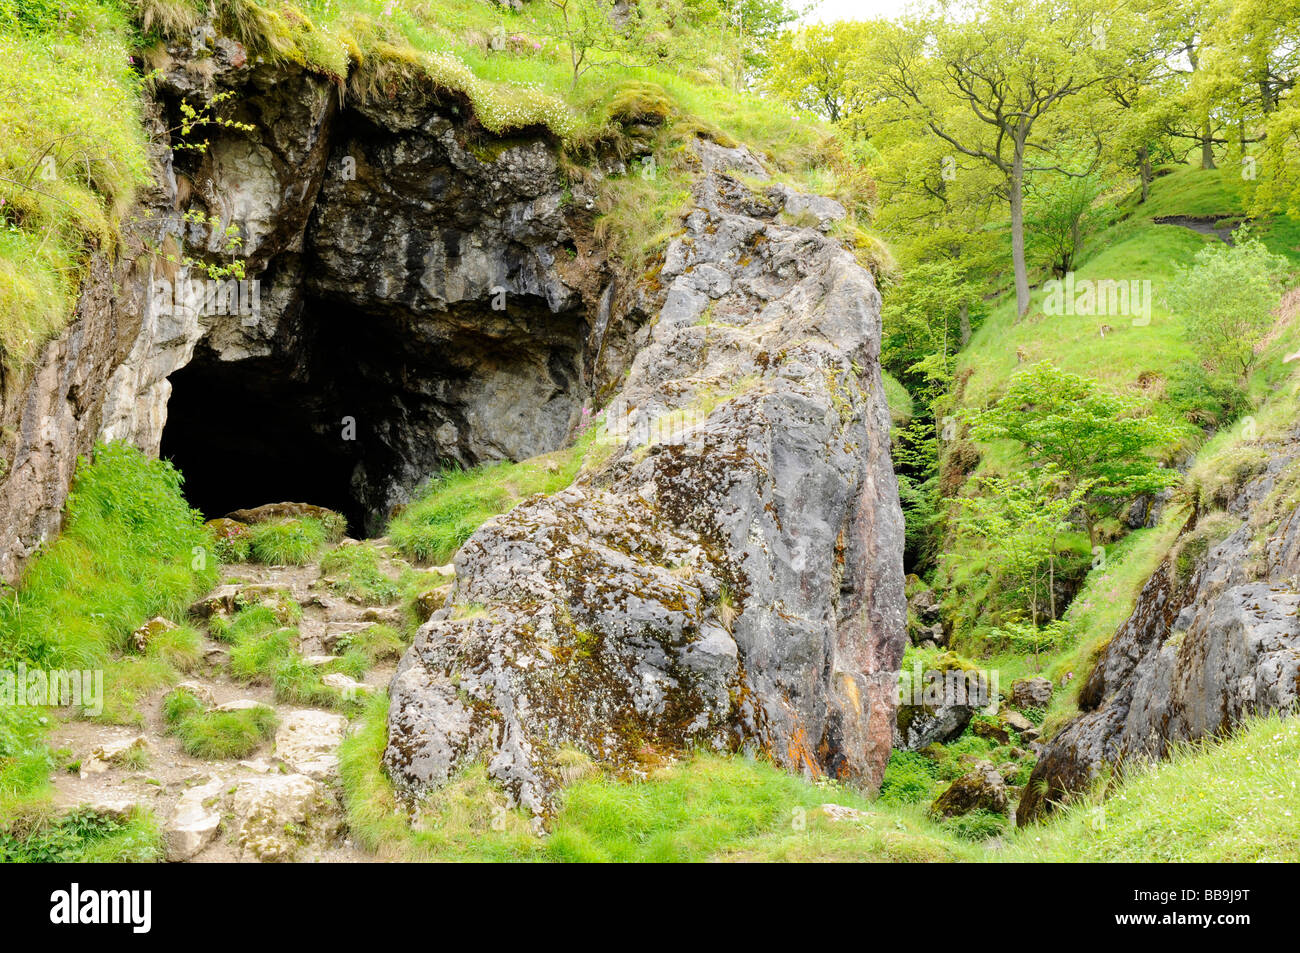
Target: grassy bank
(131,549)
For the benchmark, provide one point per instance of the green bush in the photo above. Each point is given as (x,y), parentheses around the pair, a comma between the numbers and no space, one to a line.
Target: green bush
(1212,400)
(86,837)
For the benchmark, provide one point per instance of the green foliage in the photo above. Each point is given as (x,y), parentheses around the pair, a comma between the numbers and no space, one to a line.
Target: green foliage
(457,502)
(290,542)
(1205,399)
(1020,522)
(1096,439)
(86,837)
(909,779)
(1226,299)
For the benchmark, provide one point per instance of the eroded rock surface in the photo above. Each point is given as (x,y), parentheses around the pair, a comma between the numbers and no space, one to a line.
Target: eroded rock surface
(726,572)
(1214,638)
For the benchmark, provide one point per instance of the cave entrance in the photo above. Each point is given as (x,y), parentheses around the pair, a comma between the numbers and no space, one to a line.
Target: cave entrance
(245,433)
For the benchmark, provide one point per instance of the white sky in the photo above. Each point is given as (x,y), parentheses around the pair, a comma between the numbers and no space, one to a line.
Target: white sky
(829,11)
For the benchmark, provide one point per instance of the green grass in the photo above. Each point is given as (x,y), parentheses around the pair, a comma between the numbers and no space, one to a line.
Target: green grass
(354,572)
(127,554)
(71,157)
(706,808)
(124,556)
(376,643)
(253,657)
(457,502)
(1230,801)
(217,734)
(290,542)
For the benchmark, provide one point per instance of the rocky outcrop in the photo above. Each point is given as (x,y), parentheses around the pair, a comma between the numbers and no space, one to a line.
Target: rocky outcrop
(414,295)
(727,572)
(1213,639)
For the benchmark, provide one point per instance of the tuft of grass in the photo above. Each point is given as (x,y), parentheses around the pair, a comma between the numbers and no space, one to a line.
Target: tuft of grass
(291,542)
(355,573)
(254,657)
(217,734)
(376,643)
(249,621)
(181,648)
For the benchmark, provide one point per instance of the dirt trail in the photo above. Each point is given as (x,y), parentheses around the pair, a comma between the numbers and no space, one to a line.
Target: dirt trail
(218,811)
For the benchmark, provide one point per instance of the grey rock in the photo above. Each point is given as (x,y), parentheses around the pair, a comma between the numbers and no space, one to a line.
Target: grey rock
(1201,651)
(729,577)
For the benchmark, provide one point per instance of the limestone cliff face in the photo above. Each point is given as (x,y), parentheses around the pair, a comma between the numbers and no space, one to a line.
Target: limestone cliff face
(400,280)
(728,574)
(1214,638)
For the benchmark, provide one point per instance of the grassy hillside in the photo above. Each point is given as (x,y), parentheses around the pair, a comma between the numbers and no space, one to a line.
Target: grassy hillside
(1154,362)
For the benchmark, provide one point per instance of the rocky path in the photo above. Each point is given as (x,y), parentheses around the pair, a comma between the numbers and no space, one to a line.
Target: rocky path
(282,801)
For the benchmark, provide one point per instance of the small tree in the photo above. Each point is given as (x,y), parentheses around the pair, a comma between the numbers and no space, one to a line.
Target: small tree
(1021,522)
(1225,300)
(1096,439)
(1060,211)
(588,30)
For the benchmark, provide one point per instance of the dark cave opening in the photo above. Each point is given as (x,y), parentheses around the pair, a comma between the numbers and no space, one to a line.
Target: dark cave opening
(354,411)
(245,433)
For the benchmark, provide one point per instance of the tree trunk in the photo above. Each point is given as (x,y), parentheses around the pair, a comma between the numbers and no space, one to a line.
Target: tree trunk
(1015,183)
(1144,171)
(1207,147)
(964,317)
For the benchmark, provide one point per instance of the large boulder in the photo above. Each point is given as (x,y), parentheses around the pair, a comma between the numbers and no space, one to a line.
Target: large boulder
(729,575)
